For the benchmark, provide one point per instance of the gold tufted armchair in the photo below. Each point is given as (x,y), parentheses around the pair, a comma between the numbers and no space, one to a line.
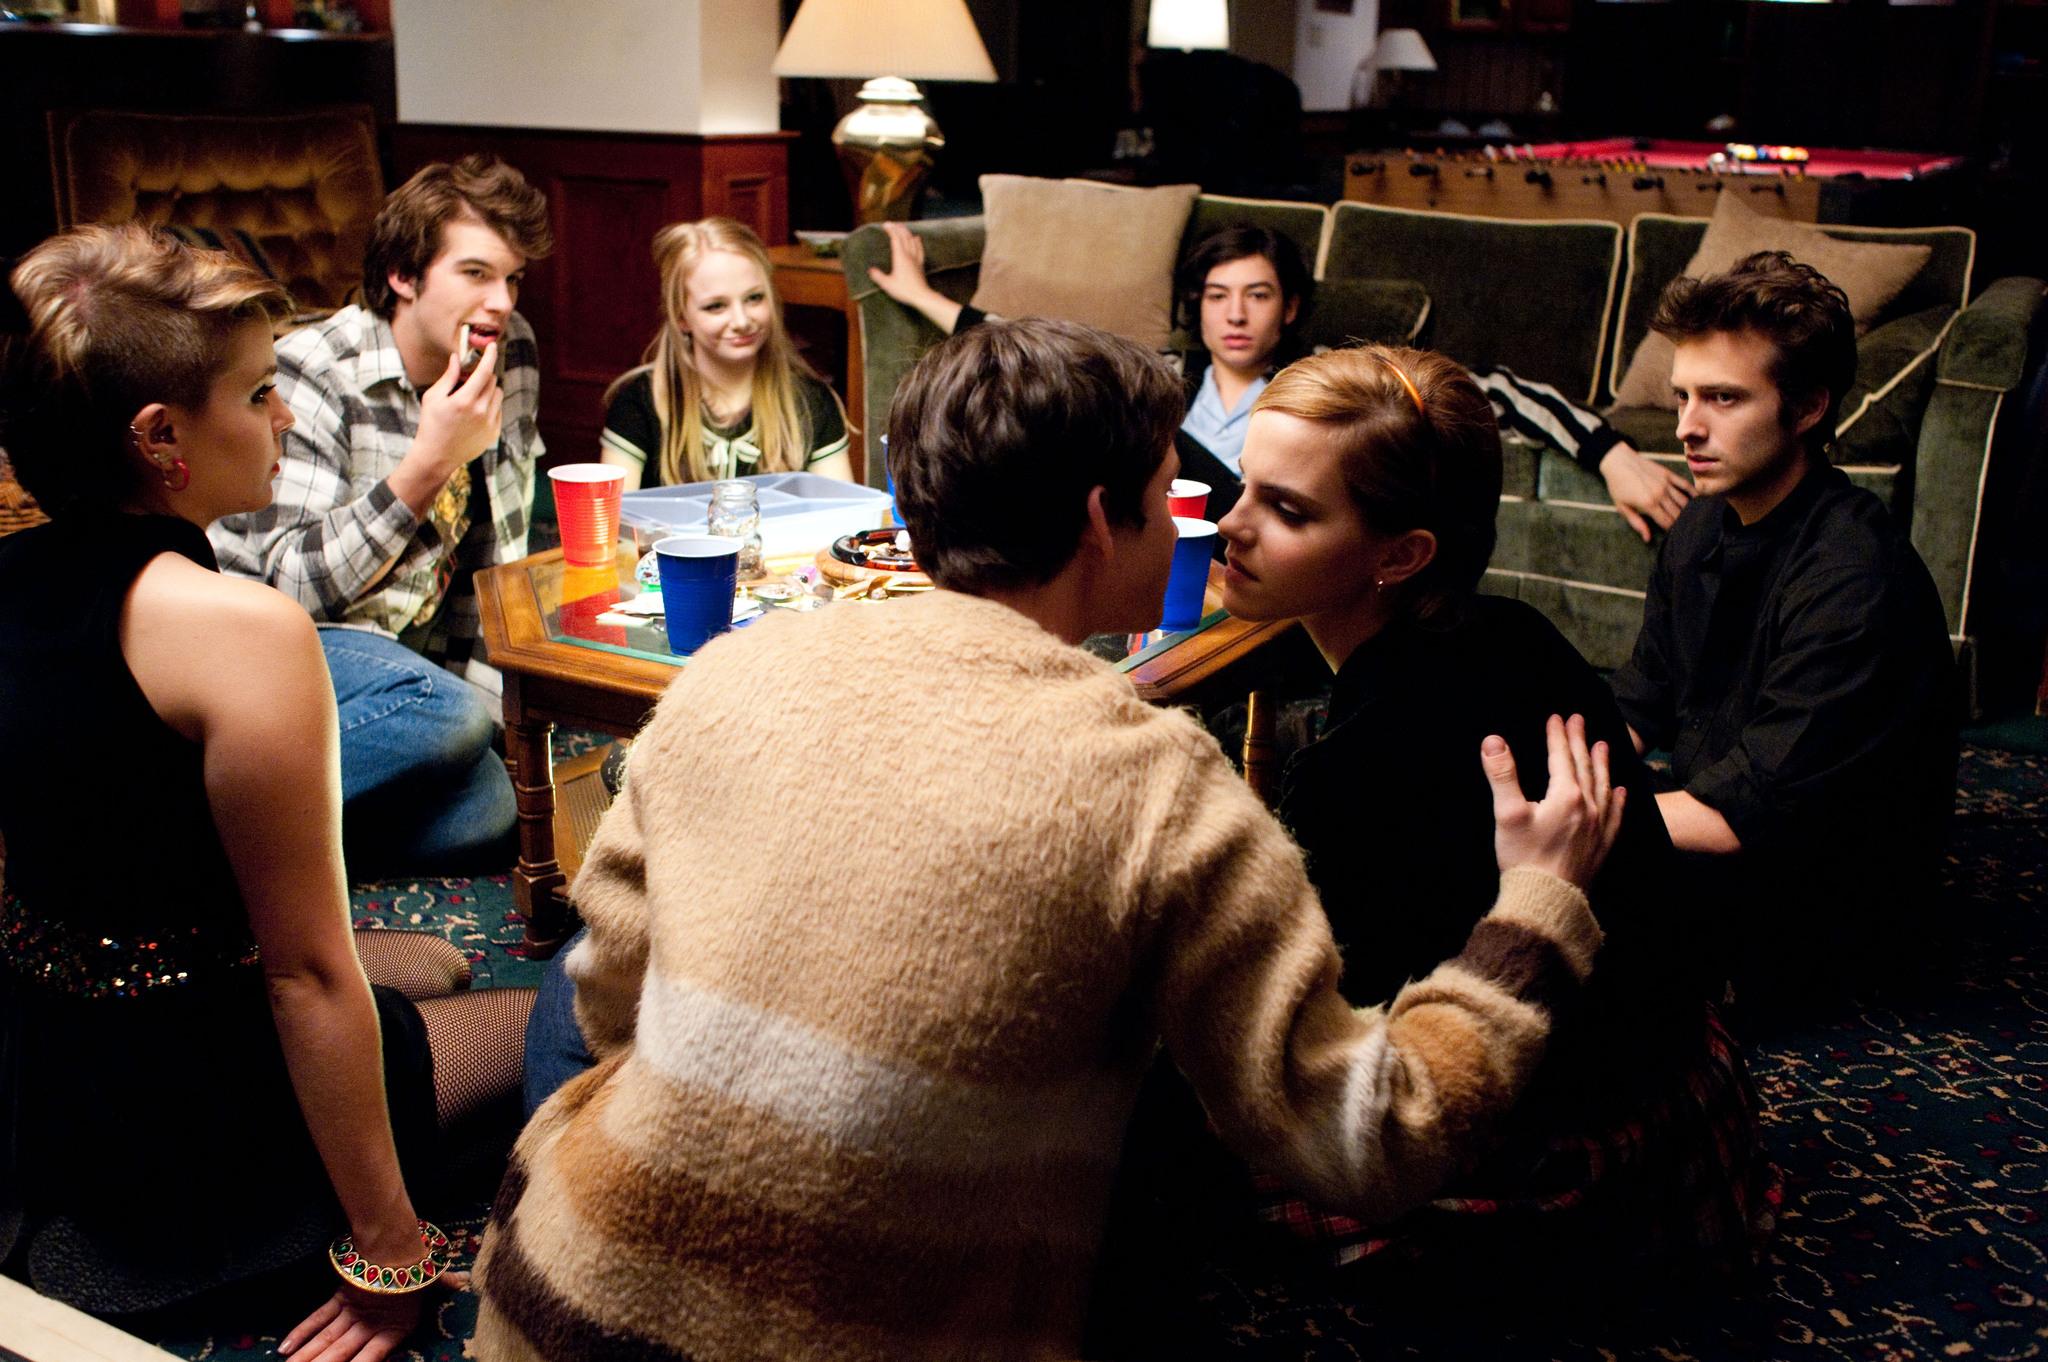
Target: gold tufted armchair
(296,192)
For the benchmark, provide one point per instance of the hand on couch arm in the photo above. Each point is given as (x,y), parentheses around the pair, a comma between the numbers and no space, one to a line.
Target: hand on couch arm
(905,282)
(1569,833)
(1643,490)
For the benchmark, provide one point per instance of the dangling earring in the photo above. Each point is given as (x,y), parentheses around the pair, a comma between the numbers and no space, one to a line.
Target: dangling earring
(176,476)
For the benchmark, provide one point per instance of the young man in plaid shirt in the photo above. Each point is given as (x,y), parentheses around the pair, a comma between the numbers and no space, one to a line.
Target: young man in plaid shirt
(405,473)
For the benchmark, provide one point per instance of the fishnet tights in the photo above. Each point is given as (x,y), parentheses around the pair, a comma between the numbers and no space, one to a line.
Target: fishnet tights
(479,1044)
(417,964)
(478,1039)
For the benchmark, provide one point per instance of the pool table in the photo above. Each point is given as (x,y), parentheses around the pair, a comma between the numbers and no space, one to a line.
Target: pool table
(1618,177)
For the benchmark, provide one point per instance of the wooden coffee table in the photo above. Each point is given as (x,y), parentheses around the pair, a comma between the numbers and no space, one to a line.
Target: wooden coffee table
(561,666)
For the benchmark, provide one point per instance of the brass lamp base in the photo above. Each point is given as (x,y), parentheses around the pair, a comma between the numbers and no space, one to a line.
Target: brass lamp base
(886,146)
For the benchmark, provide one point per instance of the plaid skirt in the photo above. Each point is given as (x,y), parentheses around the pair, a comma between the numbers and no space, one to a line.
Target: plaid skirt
(1682,1186)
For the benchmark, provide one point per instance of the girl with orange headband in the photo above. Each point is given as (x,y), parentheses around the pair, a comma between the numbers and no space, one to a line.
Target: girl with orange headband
(1371,479)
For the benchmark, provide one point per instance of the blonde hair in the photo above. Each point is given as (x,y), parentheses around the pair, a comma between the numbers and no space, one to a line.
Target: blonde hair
(119,317)
(782,426)
(1420,451)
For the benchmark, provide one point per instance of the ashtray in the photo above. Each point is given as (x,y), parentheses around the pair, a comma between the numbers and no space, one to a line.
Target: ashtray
(878,550)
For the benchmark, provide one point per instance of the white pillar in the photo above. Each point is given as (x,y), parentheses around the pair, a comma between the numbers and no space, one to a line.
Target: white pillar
(1327,50)
(673,66)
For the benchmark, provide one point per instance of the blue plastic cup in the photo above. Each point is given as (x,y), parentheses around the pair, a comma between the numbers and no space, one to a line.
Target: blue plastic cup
(698,575)
(1190,575)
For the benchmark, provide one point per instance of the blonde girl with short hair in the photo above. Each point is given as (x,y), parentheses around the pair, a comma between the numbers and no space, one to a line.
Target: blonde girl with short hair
(724,392)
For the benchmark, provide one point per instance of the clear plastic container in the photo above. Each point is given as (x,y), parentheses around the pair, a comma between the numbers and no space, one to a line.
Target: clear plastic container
(800,512)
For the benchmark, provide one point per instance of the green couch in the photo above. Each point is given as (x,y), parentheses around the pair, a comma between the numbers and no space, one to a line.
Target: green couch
(1566,303)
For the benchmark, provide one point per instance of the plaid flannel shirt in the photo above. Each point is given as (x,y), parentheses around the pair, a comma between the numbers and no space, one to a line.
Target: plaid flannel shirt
(335,524)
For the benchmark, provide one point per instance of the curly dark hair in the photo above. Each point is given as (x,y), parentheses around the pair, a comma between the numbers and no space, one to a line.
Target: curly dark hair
(407,233)
(997,436)
(1804,316)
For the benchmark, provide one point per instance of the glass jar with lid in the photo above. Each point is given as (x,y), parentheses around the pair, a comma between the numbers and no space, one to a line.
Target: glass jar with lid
(736,514)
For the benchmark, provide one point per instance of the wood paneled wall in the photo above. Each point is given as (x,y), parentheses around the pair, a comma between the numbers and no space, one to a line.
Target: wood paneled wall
(1497,73)
(596,302)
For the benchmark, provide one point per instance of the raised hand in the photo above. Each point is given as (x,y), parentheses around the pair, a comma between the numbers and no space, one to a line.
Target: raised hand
(460,418)
(1568,833)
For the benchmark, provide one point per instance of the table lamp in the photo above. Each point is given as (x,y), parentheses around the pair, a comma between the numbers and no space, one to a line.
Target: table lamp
(887,143)
(1398,50)
(1188,24)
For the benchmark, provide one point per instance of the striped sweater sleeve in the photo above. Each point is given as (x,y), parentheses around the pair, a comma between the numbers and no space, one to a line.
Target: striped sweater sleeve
(1366,1110)
(1541,413)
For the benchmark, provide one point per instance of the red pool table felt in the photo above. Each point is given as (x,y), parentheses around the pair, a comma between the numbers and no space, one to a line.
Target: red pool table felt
(1663,155)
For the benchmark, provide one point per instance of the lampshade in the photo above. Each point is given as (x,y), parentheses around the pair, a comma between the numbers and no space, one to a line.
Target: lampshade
(1188,24)
(915,39)
(1402,49)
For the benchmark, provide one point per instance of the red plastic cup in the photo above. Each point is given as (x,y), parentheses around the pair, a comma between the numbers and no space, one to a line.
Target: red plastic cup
(1188,497)
(587,505)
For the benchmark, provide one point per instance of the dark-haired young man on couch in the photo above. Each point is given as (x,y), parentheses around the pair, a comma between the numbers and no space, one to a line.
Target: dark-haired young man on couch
(1794,657)
(405,473)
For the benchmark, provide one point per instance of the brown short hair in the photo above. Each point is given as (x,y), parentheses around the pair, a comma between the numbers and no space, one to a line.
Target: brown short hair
(1804,316)
(997,436)
(119,317)
(1421,451)
(407,234)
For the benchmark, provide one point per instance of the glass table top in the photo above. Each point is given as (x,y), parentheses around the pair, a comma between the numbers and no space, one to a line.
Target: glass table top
(580,607)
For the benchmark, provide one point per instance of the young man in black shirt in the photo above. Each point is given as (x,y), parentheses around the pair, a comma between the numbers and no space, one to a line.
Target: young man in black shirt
(1794,656)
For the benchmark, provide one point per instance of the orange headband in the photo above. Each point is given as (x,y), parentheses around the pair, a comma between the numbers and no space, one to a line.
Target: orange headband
(1408,383)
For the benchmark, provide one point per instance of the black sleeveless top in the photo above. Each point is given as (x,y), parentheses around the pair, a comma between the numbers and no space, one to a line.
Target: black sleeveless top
(151,1144)
(115,876)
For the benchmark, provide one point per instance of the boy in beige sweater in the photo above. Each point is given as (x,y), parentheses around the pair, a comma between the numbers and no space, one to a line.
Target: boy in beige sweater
(897,901)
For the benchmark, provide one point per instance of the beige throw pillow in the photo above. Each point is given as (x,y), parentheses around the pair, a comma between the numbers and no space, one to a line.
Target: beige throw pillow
(1871,273)
(1083,252)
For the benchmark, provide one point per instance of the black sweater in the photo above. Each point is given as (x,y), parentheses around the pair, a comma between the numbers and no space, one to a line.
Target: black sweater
(1396,816)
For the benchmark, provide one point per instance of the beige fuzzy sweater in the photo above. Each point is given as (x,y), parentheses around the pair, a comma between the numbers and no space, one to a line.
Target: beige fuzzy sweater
(872,983)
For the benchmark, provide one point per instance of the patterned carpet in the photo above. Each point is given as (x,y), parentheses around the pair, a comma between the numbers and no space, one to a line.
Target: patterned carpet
(1913,1137)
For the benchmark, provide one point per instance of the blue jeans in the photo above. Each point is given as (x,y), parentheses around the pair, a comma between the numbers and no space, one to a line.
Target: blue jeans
(555,1049)
(422,792)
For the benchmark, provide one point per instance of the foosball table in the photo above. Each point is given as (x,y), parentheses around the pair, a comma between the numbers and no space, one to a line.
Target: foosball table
(1617,178)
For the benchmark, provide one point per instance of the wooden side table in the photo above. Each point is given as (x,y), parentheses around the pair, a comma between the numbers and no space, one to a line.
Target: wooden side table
(810,280)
